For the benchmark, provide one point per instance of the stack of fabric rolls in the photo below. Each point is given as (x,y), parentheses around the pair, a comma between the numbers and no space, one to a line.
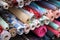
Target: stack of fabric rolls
(42,17)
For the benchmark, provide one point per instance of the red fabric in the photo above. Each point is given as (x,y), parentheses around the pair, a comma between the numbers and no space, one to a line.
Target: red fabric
(1,29)
(32,11)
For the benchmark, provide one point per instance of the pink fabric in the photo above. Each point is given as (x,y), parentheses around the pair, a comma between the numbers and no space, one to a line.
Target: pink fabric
(50,15)
(40,32)
(54,31)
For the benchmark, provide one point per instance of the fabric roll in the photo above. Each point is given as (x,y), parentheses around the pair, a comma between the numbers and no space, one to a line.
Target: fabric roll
(41,31)
(13,32)
(37,23)
(15,22)
(20,15)
(55,32)
(1,29)
(4,5)
(31,10)
(5,35)
(54,26)
(32,16)
(56,3)
(20,3)
(50,15)
(46,38)
(56,13)
(44,20)
(4,25)
(26,29)
(50,34)
(58,23)
(32,25)
(47,5)
(40,9)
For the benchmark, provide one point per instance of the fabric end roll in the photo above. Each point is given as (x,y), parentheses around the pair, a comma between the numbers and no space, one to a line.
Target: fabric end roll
(4,24)
(26,29)
(44,20)
(5,35)
(50,15)
(55,32)
(56,13)
(20,32)
(4,5)
(32,25)
(13,32)
(36,23)
(41,31)
(20,3)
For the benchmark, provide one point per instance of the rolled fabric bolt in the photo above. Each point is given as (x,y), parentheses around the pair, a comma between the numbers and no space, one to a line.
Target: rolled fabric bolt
(1,29)
(26,29)
(44,20)
(56,13)
(20,3)
(4,25)
(4,5)
(32,25)
(54,26)
(50,15)
(32,16)
(47,5)
(13,32)
(46,37)
(15,22)
(37,23)
(20,15)
(41,31)
(55,32)
(50,34)
(40,9)
(56,3)
(5,35)
(11,3)
(31,10)
(58,23)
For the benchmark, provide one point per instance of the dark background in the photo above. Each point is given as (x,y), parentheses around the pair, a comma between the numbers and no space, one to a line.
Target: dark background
(29,36)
